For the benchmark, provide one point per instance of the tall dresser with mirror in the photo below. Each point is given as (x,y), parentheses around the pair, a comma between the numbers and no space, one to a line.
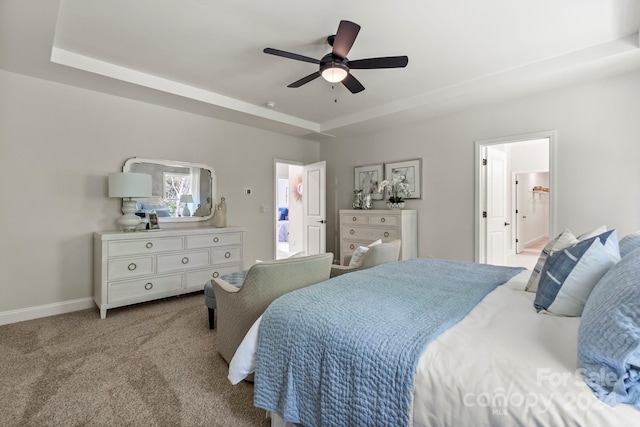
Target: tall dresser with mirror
(130,268)
(361,227)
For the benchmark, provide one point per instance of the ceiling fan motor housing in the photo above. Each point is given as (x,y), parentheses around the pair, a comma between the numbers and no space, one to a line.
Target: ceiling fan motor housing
(332,61)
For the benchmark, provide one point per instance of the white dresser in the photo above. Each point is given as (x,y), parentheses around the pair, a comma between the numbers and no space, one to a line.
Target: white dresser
(361,227)
(135,267)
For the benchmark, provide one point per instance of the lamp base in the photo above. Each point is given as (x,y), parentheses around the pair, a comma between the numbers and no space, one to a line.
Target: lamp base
(129,221)
(186,211)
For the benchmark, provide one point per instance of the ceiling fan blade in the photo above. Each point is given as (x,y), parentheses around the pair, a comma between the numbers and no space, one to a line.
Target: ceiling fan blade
(352,84)
(290,55)
(305,80)
(346,35)
(385,62)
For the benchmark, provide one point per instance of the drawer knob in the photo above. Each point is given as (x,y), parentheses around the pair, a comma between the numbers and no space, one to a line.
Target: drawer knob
(227,254)
(382,219)
(352,246)
(148,286)
(132,266)
(355,219)
(216,274)
(386,234)
(352,231)
(185,260)
(216,239)
(149,245)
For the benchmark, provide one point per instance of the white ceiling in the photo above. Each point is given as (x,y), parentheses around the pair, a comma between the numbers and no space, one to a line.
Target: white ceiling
(461,53)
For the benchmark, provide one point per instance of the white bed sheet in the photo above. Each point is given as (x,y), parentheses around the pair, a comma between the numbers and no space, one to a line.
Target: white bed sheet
(502,365)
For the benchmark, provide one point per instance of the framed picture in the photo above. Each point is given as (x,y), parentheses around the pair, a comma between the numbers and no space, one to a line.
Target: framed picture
(153,221)
(367,179)
(411,170)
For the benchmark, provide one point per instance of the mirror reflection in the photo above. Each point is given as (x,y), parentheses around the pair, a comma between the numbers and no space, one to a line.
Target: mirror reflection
(182,191)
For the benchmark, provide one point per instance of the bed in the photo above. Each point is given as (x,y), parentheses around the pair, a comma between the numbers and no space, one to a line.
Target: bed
(501,363)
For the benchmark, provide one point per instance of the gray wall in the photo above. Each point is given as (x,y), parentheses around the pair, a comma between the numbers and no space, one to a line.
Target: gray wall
(58,144)
(598,150)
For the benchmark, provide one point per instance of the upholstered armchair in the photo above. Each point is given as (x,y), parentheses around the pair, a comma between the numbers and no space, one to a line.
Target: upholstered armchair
(238,308)
(376,255)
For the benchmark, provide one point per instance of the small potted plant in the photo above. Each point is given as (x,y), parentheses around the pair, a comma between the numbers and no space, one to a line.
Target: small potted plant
(396,189)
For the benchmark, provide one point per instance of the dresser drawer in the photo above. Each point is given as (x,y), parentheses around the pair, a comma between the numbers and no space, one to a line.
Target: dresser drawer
(200,277)
(119,291)
(369,234)
(348,246)
(143,246)
(129,267)
(226,255)
(208,240)
(355,219)
(182,261)
(388,221)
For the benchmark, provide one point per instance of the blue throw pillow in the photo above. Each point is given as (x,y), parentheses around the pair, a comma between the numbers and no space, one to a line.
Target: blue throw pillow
(609,335)
(569,275)
(629,243)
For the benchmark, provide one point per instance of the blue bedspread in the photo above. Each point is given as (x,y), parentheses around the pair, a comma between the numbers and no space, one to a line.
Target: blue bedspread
(344,352)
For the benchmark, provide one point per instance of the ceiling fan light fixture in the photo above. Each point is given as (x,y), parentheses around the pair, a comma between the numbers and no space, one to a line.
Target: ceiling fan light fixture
(334,72)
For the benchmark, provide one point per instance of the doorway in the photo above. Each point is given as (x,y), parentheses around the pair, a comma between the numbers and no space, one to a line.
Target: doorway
(514,198)
(300,213)
(288,211)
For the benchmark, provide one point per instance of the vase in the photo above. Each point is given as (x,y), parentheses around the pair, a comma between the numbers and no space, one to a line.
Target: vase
(392,205)
(357,199)
(367,203)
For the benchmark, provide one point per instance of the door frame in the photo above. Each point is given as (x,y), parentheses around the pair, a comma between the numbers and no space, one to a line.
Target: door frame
(480,191)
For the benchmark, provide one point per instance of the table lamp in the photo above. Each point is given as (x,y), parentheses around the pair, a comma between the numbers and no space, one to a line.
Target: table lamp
(186,199)
(128,185)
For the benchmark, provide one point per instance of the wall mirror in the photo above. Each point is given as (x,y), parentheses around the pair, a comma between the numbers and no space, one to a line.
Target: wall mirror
(182,191)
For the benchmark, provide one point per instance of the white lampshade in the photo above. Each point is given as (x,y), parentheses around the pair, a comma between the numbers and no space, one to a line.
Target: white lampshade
(127,184)
(186,198)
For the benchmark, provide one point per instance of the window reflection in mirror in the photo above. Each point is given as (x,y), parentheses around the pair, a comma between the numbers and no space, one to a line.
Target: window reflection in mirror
(176,185)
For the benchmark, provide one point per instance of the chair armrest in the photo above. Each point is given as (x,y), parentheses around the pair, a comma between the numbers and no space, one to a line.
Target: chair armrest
(226,286)
(337,270)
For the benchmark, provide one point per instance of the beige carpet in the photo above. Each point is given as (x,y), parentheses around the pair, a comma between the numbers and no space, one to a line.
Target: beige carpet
(151,364)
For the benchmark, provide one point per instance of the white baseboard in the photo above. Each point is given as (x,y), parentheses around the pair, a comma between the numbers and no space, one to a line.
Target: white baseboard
(30,313)
(535,240)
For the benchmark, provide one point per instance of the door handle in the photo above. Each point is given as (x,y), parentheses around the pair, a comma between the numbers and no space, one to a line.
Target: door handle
(506,223)
(322,221)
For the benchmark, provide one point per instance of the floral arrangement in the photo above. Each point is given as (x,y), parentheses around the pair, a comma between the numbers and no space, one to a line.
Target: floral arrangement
(397,188)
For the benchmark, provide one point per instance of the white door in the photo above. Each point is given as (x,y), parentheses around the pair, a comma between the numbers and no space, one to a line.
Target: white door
(314,193)
(520,215)
(496,206)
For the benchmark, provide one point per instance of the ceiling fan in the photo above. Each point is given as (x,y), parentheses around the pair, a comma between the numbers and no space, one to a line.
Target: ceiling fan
(335,66)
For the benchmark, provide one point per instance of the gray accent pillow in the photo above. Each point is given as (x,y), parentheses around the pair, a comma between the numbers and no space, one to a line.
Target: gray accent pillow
(569,275)
(562,241)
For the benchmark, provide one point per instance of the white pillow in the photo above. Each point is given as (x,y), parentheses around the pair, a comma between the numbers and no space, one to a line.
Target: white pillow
(298,254)
(359,253)
(593,233)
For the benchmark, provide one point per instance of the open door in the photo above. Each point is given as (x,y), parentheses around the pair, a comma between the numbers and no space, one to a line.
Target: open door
(314,193)
(496,209)
(520,215)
